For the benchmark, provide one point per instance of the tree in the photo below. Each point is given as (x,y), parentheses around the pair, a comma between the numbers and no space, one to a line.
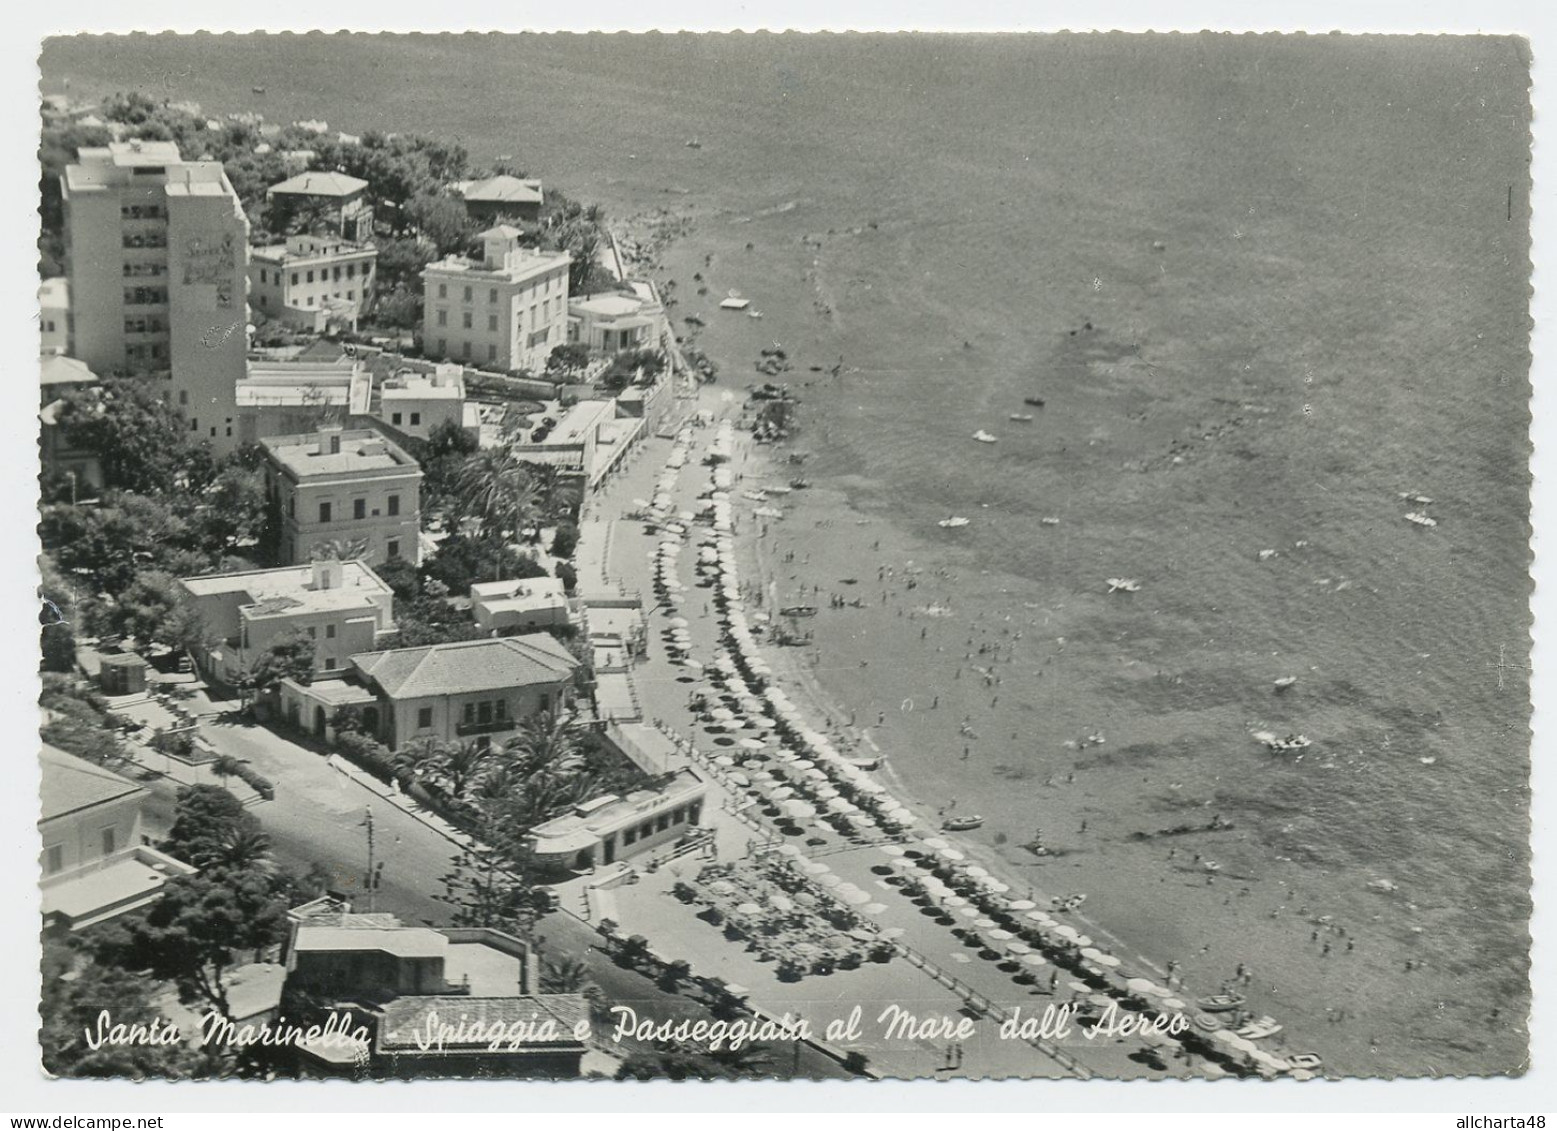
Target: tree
(441,220)
(207,821)
(625,367)
(402,577)
(570,357)
(154,610)
(462,559)
(196,932)
(497,489)
(288,656)
(232,510)
(76,993)
(141,442)
(110,543)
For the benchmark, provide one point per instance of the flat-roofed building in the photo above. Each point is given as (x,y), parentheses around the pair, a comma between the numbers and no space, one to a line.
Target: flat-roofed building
(526,604)
(156,253)
(312,282)
(53,316)
(416,403)
(337,201)
(610,828)
(587,441)
(614,321)
(280,398)
(344,487)
(343,606)
(506,310)
(97,862)
(429,999)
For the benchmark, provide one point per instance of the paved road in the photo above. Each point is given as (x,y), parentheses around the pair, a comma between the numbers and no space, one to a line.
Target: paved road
(318,817)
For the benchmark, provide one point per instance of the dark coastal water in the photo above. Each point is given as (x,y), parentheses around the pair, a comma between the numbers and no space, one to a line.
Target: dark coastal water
(1264,286)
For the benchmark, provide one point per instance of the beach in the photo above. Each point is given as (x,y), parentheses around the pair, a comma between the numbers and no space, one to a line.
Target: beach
(1251,341)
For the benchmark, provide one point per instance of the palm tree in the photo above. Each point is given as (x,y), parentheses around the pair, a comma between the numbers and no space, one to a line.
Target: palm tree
(497,489)
(340,549)
(462,765)
(246,849)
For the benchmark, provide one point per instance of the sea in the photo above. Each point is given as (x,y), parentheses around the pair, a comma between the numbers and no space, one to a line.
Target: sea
(1272,292)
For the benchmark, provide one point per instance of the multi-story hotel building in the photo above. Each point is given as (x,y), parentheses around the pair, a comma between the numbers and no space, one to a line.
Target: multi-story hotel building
(311,281)
(508,310)
(344,487)
(156,254)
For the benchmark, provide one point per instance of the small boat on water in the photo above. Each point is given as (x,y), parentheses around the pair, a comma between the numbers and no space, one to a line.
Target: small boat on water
(754,314)
(1285,682)
(953,522)
(1021,417)
(798,611)
(983,437)
(257,89)
(693,143)
(1036,402)
(800,484)
(1285,745)
(1049,520)
(1421,519)
(961,824)
(1123,585)
(1221,1003)
(734,301)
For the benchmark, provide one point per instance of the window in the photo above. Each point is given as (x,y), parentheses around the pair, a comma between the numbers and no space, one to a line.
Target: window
(443,317)
(484,711)
(392,548)
(392,504)
(394,418)
(492,295)
(491,322)
(329,663)
(292,508)
(500,708)
(629,835)
(294,278)
(468,716)
(351,296)
(336,274)
(359,509)
(53,859)
(313,633)
(662,822)
(443,290)
(416,418)
(465,350)
(423,718)
(262,274)
(324,512)
(110,840)
(351,270)
(183,396)
(465,320)
(310,276)
(329,632)
(443,346)
(467,294)
(491,353)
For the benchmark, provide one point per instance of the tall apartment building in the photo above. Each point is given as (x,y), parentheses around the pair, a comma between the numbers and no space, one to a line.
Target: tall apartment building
(508,310)
(156,253)
(344,487)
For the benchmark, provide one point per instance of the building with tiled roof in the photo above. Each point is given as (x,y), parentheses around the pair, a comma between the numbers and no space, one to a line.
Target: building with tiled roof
(471,689)
(501,197)
(96,862)
(334,198)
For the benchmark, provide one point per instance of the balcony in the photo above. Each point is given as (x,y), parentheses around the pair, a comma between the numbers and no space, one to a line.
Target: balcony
(495,726)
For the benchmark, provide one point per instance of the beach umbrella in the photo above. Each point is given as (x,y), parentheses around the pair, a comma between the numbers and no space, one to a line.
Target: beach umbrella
(874,908)
(855,898)
(893,933)
(679,622)
(1068,933)
(1172,1003)
(1021,905)
(995,886)
(951,854)
(829,879)
(975,871)
(891,849)
(1034,960)
(692,664)
(724,760)
(1041,917)
(749,744)
(723,887)
(748,909)
(954,901)
(1083,940)
(642,504)
(789,849)
(780,794)
(722,715)
(968,912)
(781,903)
(935,842)
(800,809)
(1141,986)
(816,867)
(985,923)
(1001,934)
